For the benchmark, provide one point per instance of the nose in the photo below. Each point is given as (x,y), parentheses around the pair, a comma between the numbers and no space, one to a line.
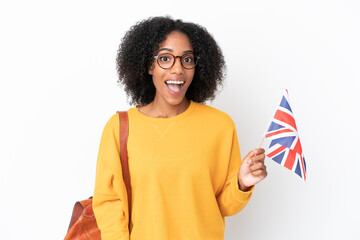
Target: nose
(177,67)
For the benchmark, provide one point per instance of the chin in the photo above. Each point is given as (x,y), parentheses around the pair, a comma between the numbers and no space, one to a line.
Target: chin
(176,101)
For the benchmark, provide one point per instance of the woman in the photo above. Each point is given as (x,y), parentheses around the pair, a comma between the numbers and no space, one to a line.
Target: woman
(184,157)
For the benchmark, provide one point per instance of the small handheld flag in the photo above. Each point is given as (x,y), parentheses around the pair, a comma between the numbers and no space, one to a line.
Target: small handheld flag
(285,147)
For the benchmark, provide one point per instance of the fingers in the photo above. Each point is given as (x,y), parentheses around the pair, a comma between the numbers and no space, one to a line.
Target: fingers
(258,170)
(259,157)
(257,166)
(255,152)
(260,173)
(260,150)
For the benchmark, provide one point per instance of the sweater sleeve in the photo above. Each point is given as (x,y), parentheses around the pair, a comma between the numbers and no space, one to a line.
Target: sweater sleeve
(231,199)
(110,199)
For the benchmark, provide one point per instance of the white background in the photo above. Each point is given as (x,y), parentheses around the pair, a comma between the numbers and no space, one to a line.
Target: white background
(58,89)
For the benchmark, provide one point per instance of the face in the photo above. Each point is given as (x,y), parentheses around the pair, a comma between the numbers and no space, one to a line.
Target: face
(171,84)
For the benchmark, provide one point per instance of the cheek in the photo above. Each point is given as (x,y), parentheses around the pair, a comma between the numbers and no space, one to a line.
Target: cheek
(158,77)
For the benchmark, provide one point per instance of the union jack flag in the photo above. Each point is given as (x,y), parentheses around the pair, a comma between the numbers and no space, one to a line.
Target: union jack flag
(285,147)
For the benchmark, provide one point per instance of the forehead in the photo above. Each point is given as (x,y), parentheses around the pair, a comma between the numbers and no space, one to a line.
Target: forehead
(177,42)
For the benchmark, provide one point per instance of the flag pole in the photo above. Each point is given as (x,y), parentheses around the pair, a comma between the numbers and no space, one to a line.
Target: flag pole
(262,140)
(264,134)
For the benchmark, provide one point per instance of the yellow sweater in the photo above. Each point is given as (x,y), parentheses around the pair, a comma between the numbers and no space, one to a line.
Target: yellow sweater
(183,176)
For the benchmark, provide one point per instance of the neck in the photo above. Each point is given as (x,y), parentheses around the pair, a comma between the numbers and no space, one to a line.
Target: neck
(160,109)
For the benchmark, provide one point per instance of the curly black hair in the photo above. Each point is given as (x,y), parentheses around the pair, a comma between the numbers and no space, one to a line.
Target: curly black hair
(141,43)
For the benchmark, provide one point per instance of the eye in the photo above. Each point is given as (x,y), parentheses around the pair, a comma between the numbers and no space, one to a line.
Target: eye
(165,58)
(188,59)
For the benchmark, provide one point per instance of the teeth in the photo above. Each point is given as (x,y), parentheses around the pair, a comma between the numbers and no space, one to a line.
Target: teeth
(174,82)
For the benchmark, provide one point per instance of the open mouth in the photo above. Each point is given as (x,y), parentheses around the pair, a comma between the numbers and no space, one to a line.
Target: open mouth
(175,86)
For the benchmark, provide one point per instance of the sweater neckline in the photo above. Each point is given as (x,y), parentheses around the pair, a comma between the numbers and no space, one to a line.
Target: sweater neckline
(164,120)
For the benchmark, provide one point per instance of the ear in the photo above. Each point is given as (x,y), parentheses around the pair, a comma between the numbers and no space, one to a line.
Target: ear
(151,69)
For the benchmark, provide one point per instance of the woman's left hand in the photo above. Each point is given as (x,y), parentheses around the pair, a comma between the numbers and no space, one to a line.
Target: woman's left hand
(252,169)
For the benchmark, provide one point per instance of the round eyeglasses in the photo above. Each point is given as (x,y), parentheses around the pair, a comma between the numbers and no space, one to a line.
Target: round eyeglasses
(167,60)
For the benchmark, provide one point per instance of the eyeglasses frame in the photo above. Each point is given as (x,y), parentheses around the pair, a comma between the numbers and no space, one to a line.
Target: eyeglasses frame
(196,58)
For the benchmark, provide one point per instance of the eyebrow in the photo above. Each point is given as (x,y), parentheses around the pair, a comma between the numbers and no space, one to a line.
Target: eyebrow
(170,50)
